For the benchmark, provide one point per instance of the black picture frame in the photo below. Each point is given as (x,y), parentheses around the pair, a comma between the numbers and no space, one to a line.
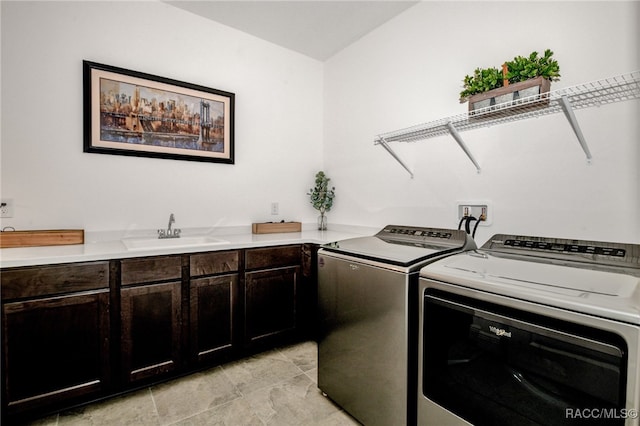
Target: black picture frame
(138,114)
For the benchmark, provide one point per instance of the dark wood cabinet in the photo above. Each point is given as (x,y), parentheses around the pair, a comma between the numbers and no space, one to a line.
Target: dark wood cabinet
(212,317)
(76,332)
(150,269)
(214,306)
(212,263)
(273,257)
(270,298)
(272,278)
(151,317)
(55,326)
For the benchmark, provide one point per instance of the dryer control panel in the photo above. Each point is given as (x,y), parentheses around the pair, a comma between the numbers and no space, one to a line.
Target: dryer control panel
(596,252)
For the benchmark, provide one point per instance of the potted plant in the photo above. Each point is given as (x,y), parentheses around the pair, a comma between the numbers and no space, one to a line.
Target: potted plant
(482,80)
(521,77)
(322,198)
(522,69)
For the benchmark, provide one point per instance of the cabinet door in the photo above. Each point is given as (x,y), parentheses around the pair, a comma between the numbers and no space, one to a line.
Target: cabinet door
(151,318)
(270,303)
(55,349)
(213,311)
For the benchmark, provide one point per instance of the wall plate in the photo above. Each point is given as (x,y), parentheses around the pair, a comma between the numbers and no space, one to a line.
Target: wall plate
(475,209)
(6,208)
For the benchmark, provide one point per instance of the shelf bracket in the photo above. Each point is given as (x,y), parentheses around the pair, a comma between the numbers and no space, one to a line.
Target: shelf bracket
(458,139)
(386,146)
(565,103)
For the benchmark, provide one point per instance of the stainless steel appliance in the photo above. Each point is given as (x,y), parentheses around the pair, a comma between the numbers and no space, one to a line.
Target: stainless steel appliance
(531,330)
(367,299)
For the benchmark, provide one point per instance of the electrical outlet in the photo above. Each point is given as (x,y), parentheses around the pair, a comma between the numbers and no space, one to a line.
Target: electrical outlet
(6,207)
(475,209)
(275,208)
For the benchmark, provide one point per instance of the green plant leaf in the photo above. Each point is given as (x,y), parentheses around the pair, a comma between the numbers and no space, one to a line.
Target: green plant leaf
(321,197)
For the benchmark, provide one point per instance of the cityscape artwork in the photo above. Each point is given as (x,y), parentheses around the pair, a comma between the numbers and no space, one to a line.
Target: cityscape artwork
(133,113)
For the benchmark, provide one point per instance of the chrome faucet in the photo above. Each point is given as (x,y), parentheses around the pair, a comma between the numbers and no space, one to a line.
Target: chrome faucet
(172,219)
(169,233)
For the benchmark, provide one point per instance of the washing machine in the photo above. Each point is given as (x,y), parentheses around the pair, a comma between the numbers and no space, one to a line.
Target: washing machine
(368,314)
(531,331)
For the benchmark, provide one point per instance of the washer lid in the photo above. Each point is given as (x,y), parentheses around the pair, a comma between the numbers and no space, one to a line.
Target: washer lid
(404,245)
(607,292)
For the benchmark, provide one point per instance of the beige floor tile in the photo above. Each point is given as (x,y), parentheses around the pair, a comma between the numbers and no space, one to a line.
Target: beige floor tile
(187,396)
(136,409)
(339,418)
(296,401)
(304,355)
(259,371)
(276,388)
(234,413)
(313,375)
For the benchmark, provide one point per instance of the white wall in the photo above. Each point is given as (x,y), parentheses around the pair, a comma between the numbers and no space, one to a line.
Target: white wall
(55,185)
(534,172)
(292,110)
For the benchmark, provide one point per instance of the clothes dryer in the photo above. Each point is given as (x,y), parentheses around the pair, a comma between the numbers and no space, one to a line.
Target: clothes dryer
(531,331)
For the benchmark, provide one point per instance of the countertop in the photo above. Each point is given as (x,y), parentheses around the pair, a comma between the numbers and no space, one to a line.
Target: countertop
(106,245)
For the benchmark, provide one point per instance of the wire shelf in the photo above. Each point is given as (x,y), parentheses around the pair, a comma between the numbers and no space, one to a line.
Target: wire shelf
(614,89)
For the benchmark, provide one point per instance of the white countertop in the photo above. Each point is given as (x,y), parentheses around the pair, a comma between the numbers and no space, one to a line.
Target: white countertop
(109,245)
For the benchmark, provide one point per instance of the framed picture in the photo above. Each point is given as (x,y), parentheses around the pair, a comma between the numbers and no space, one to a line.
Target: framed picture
(133,113)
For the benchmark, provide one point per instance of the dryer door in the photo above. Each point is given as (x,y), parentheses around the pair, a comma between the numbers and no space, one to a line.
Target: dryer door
(491,364)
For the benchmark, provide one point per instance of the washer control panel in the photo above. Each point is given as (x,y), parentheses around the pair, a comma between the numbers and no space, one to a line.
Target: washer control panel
(417,232)
(420,234)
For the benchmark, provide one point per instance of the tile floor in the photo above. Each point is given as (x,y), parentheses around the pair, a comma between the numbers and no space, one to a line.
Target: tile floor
(276,388)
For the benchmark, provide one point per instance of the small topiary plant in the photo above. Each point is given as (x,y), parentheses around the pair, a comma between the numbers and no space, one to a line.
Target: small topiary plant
(321,196)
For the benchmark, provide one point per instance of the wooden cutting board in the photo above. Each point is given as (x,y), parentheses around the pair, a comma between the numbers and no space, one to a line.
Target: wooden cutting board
(53,237)
(275,227)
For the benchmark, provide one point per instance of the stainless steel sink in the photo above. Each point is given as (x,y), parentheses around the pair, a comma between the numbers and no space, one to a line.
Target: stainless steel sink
(153,243)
